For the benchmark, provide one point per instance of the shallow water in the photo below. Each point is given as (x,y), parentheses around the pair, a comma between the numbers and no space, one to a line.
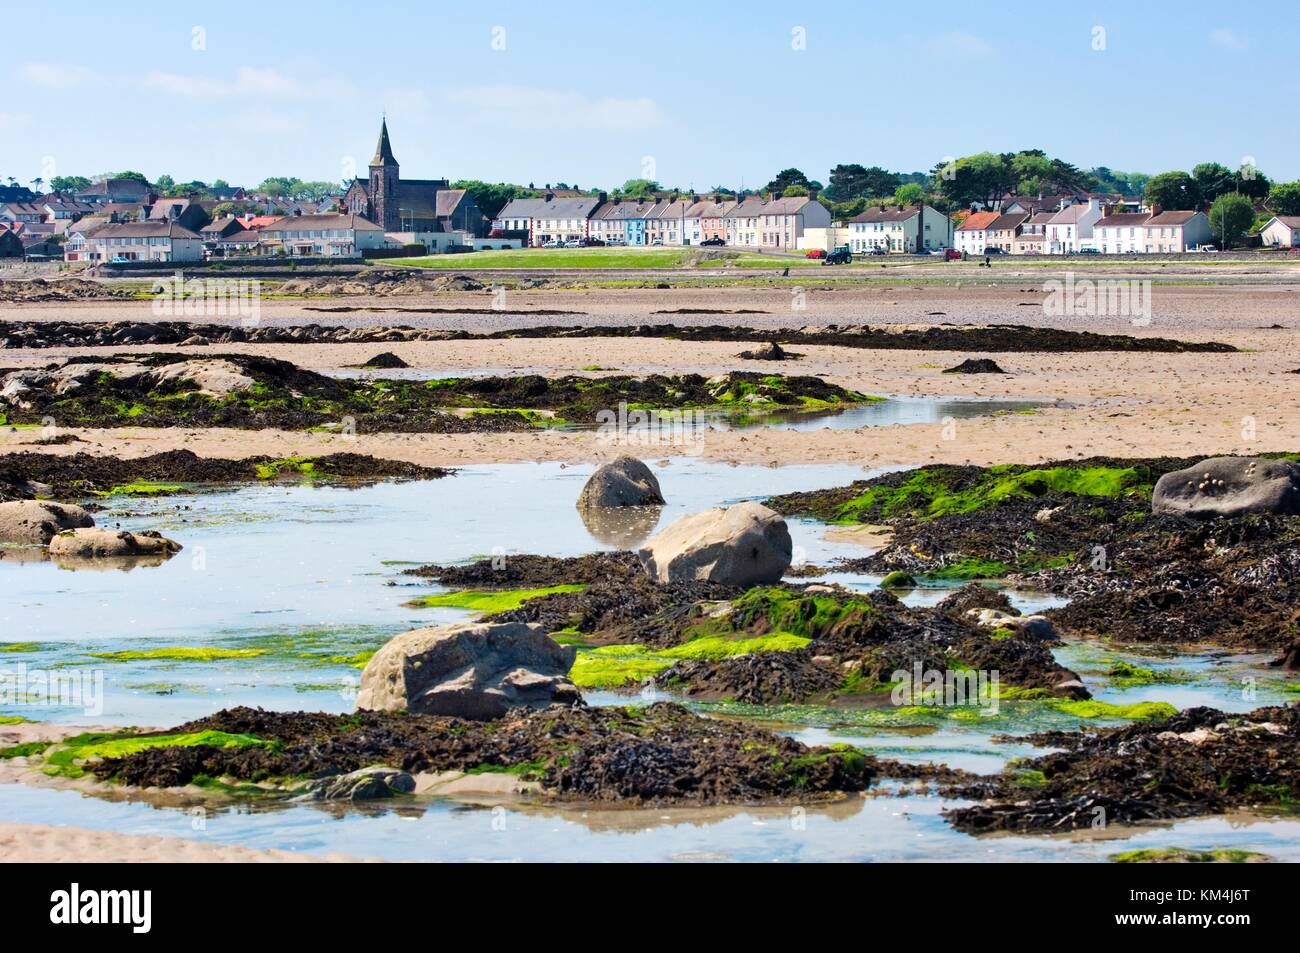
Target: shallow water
(310,575)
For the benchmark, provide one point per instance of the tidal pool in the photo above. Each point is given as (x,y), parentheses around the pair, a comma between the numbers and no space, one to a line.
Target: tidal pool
(284,588)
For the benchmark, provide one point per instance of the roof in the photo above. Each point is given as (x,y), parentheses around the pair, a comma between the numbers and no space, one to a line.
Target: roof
(160,208)
(622,209)
(1172,218)
(1009,220)
(1070,215)
(321,222)
(710,209)
(1123,219)
(751,207)
(383,149)
(978,221)
(261,221)
(554,208)
(24,208)
(223,226)
(448,200)
(877,214)
(788,205)
(1290,221)
(143,230)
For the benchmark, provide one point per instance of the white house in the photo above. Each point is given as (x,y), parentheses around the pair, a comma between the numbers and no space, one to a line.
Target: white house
(1070,229)
(911,229)
(135,241)
(549,218)
(742,222)
(972,235)
(1176,232)
(1282,231)
(783,221)
(339,236)
(1121,233)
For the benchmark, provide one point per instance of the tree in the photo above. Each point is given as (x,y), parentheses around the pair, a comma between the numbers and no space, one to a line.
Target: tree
(1173,190)
(69,183)
(492,197)
(853,181)
(845,210)
(1249,181)
(133,176)
(909,194)
(1212,180)
(36,184)
(1284,198)
(165,182)
(277,185)
(636,188)
(984,177)
(220,184)
(1230,216)
(794,191)
(786,178)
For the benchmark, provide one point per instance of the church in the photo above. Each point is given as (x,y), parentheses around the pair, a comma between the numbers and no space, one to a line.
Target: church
(411,205)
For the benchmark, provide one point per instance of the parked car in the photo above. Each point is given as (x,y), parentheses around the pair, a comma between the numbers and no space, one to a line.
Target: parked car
(877,250)
(951,254)
(657,241)
(592,243)
(119,260)
(573,243)
(553,243)
(617,241)
(714,241)
(1089,251)
(1210,249)
(994,250)
(816,253)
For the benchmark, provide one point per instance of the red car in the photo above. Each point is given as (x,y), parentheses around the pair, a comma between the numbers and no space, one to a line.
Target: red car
(816,253)
(951,254)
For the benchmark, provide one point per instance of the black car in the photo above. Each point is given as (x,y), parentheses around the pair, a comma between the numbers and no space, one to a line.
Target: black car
(593,243)
(714,241)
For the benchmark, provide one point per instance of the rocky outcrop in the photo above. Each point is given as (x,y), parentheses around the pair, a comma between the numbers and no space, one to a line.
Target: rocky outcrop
(476,670)
(36,522)
(110,543)
(742,545)
(364,784)
(623,482)
(1230,486)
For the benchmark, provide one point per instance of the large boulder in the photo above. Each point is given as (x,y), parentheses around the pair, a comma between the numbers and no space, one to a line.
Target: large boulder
(623,482)
(36,522)
(477,670)
(1230,486)
(364,784)
(110,543)
(742,545)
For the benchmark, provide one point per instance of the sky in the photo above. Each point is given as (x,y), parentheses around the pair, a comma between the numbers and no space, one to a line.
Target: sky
(691,94)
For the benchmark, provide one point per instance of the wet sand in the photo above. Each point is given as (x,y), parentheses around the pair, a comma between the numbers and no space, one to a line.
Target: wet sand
(45,844)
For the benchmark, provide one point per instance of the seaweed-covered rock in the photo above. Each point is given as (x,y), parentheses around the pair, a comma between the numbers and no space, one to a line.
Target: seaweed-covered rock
(386,361)
(982,365)
(38,521)
(1230,486)
(477,670)
(364,784)
(96,543)
(742,545)
(622,482)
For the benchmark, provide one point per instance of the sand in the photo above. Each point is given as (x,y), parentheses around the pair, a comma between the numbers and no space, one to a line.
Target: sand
(44,844)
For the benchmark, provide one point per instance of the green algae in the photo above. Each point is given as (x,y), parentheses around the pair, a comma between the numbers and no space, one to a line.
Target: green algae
(181,653)
(141,488)
(63,758)
(898,580)
(969,568)
(14,720)
(20,646)
(1123,674)
(1138,711)
(613,666)
(929,491)
(1181,855)
(26,750)
(488,602)
(272,469)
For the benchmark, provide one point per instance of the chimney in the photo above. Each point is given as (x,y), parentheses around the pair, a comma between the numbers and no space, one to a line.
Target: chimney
(603,197)
(550,196)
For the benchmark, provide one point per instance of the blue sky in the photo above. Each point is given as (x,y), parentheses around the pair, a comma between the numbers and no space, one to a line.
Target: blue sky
(697,94)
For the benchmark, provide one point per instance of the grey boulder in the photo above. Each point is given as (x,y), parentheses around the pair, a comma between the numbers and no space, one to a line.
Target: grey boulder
(623,482)
(37,521)
(475,670)
(742,545)
(1229,486)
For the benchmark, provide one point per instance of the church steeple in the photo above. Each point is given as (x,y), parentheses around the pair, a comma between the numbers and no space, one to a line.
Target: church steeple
(385,204)
(383,151)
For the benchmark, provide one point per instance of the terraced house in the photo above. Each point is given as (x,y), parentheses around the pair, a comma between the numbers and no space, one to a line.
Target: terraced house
(1121,233)
(335,236)
(666,222)
(1176,232)
(549,218)
(894,229)
(742,222)
(134,241)
(784,220)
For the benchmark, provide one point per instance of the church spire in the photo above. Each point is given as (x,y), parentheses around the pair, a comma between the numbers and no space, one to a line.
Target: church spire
(383,151)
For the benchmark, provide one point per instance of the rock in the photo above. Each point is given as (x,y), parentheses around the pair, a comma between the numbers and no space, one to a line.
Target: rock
(476,670)
(983,365)
(1289,660)
(769,352)
(37,522)
(623,482)
(898,580)
(742,545)
(1037,627)
(386,361)
(362,785)
(100,543)
(1229,486)
(195,340)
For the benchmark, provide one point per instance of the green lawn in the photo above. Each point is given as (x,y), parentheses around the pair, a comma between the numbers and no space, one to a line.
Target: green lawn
(555,258)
